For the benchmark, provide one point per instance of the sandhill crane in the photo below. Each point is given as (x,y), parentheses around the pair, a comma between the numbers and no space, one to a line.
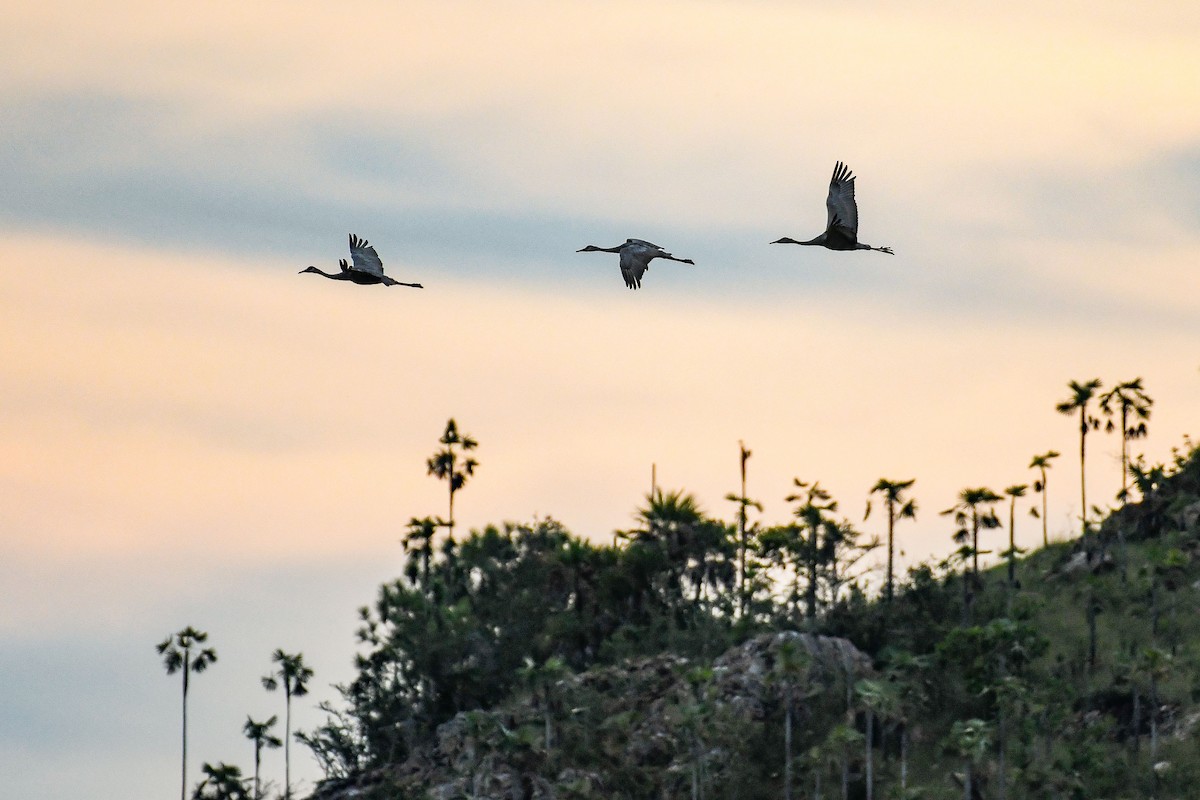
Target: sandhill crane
(636,255)
(366,269)
(841,226)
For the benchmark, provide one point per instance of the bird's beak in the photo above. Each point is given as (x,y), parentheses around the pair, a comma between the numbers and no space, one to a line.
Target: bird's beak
(779,241)
(580,250)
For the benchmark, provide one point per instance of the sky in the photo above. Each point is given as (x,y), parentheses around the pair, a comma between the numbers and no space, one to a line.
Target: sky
(191,433)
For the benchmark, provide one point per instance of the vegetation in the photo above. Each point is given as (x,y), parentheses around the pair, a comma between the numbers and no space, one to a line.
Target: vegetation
(293,675)
(176,651)
(695,657)
(260,734)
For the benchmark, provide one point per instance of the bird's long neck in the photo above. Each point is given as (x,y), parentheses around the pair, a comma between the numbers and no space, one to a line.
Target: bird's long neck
(337,276)
(820,240)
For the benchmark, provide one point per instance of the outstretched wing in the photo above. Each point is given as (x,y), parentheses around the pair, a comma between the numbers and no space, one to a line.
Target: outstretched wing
(643,243)
(365,257)
(634,262)
(843,211)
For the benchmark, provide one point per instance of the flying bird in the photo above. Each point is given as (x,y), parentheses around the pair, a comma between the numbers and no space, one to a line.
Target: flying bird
(636,255)
(366,269)
(841,226)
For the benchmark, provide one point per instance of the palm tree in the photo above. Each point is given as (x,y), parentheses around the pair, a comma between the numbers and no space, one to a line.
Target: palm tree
(1130,398)
(1081,395)
(1042,463)
(791,667)
(445,466)
(878,699)
(814,506)
(176,651)
(541,678)
(969,740)
(744,503)
(1013,493)
(892,492)
(907,674)
(967,510)
(294,676)
(260,734)
(222,782)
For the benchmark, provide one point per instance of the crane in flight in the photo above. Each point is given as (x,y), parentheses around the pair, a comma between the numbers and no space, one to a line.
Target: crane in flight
(841,225)
(367,268)
(636,255)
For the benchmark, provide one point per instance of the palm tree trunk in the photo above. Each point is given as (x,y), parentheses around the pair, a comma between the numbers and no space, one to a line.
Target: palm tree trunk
(845,778)
(1082,473)
(1012,552)
(257,761)
(1124,456)
(787,747)
(967,780)
(1001,776)
(870,768)
(1045,523)
(1137,724)
(1153,719)
(183,778)
(904,757)
(287,743)
(891,550)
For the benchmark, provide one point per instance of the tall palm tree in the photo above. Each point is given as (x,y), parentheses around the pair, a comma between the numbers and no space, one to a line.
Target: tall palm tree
(176,651)
(814,505)
(879,699)
(444,464)
(260,734)
(898,507)
(1042,463)
(791,668)
(1130,398)
(1013,493)
(971,509)
(744,504)
(294,675)
(1081,396)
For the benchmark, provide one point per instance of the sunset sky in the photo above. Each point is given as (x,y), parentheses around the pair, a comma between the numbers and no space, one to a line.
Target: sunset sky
(194,434)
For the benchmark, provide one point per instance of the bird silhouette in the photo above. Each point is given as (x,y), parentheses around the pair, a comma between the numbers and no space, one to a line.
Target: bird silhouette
(841,226)
(366,269)
(636,255)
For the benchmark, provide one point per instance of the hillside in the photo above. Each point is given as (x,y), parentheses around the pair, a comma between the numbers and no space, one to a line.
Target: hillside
(558,670)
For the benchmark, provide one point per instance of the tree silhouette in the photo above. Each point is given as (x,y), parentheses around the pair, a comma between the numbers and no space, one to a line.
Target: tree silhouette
(1042,463)
(814,505)
(744,504)
(419,540)
(176,651)
(967,512)
(898,507)
(1081,396)
(260,734)
(222,782)
(1013,493)
(294,676)
(445,464)
(1128,398)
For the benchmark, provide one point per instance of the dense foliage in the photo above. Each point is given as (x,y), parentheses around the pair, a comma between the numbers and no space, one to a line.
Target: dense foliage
(1073,675)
